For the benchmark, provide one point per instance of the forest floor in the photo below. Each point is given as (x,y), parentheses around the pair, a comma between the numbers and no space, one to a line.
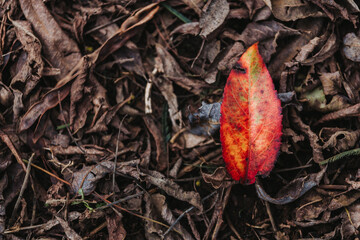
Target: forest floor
(109,119)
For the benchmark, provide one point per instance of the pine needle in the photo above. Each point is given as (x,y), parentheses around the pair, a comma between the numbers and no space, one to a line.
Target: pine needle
(352,152)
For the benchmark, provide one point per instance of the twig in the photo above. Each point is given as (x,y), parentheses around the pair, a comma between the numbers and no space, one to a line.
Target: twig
(148,109)
(183,214)
(268,210)
(134,214)
(199,53)
(229,222)
(121,200)
(47,172)
(294,168)
(220,219)
(116,156)
(23,187)
(104,25)
(96,230)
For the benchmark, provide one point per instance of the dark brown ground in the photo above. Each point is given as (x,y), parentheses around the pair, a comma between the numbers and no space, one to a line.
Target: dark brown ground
(97,96)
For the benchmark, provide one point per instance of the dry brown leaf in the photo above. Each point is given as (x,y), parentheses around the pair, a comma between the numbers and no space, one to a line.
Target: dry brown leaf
(172,71)
(28,77)
(115,227)
(309,29)
(213,17)
(69,232)
(344,200)
(194,5)
(161,146)
(343,140)
(352,47)
(59,49)
(293,190)
(331,82)
(173,189)
(218,178)
(346,112)
(159,202)
(292,10)
(267,33)
(328,50)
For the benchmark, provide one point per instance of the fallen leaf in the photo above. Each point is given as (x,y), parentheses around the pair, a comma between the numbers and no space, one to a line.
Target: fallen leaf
(267,33)
(250,123)
(352,47)
(115,227)
(327,50)
(28,77)
(217,179)
(292,10)
(213,17)
(159,202)
(206,121)
(59,49)
(343,140)
(292,191)
(69,232)
(173,189)
(161,146)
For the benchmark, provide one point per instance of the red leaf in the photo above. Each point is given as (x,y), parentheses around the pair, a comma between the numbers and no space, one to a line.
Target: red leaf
(250,123)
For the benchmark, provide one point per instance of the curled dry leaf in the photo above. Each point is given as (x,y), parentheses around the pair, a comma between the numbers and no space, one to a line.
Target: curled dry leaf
(191,28)
(34,65)
(292,10)
(316,99)
(352,47)
(344,200)
(309,29)
(331,82)
(172,71)
(159,202)
(69,232)
(267,33)
(161,148)
(343,140)
(206,121)
(250,123)
(217,179)
(328,50)
(346,112)
(115,227)
(59,49)
(306,130)
(292,191)
(213,17)
(195,5)
(173,189)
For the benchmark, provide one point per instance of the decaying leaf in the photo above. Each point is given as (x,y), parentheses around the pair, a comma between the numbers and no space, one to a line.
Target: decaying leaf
(213,17)
(206,121)
(61,50)
(352,47)
(294,10)
(250,119)
(173,189)
(294,190)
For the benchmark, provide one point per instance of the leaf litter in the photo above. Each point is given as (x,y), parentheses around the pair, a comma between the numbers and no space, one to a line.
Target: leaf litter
(85,83)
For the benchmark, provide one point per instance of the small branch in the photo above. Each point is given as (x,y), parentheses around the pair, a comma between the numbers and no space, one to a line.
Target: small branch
(23,187)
